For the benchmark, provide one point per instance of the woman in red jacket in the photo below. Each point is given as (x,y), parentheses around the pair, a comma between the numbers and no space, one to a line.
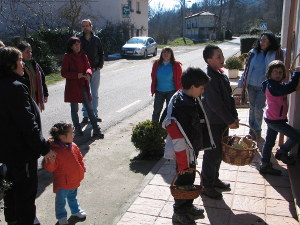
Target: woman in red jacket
(77,71)
(165,75)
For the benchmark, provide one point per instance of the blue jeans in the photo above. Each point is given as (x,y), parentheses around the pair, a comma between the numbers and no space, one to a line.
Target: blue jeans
(257,101)
(60,202)
(273,129)
(159,100)
(94,85)
(88,106)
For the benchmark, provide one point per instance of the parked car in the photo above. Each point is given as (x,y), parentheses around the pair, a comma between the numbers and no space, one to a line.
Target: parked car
(140,46)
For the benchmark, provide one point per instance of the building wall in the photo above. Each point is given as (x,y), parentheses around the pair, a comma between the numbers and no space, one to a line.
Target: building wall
(102,12)
(294,98)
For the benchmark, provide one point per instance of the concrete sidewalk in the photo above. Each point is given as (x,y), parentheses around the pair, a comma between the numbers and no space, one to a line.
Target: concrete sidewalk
(253,199)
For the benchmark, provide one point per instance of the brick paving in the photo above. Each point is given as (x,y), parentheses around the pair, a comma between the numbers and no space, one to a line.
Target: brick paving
(253,199)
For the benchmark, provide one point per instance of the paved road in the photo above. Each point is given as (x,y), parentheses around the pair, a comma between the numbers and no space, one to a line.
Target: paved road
(124,88)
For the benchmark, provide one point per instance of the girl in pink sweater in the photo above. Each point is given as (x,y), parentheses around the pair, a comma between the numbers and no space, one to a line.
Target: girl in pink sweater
(276,116)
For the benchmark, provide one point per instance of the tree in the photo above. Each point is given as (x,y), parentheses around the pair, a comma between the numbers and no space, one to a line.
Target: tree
(72,12)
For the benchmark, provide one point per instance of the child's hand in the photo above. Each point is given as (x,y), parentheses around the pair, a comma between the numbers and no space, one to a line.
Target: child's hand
(87,76)
(50,156)
(234,125)
(80,75)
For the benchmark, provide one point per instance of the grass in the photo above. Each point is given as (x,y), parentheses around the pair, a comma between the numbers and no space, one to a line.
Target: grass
(53,78)
(189,42)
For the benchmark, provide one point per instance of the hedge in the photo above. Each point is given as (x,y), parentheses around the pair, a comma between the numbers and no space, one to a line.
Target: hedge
(247,42)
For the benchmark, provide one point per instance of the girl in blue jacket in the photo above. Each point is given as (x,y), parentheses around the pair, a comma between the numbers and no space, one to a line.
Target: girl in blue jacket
(276,116)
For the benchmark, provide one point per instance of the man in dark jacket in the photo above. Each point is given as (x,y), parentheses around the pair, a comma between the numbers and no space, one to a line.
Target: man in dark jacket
(220,108)
(21,140)
(91,45)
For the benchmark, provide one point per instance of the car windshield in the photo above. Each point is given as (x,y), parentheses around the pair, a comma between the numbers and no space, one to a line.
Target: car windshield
(136,41)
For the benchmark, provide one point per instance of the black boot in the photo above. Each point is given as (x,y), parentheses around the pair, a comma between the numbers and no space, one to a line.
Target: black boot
(285,158)
(267,168)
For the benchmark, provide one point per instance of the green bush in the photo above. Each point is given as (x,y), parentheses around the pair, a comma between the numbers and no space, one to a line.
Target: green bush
(56,39)
(149,138)
(233,63)
(247,43)
(43,54)
(228,34)
(254,31)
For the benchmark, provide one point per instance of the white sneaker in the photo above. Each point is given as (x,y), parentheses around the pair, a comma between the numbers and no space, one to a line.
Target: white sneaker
(63,221)
(81,214)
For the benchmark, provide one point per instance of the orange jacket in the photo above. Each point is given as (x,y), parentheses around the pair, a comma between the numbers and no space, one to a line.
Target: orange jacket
(68,168)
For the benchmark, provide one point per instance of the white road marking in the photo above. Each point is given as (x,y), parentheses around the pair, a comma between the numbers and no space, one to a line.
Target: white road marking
(128,106)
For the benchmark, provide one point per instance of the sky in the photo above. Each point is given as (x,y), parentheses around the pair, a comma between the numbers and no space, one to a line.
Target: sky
(168,4)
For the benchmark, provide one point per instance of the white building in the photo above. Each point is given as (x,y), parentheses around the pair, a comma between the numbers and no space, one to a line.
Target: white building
(200,26)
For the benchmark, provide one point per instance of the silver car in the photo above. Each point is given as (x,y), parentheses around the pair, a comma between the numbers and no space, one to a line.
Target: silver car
(140,46)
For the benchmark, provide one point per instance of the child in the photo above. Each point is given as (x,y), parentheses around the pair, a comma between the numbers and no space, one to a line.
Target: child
(68,170)
(188,129)
(220,108)
(276,116)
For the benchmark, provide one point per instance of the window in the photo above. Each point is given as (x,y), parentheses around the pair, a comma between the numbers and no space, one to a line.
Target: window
(130,5)
(138,8)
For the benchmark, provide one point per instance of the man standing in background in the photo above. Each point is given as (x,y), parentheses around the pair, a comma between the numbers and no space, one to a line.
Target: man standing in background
(91,45)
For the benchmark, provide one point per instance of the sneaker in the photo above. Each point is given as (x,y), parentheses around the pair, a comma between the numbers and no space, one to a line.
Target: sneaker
(36,221)
(81,214)
(221,184)
(85,120)
(195,213)
(78,131)
(182,220)
(212,193)
(285,158)
(63,221)
(267,168)
(98,134)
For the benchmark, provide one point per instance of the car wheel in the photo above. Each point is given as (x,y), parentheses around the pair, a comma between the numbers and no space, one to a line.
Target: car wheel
(145,54)
(155,52)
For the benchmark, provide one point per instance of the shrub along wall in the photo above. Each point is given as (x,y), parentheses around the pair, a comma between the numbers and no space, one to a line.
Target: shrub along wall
(247,42)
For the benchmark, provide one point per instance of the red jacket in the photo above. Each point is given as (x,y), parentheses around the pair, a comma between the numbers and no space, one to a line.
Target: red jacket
(68,168)
(177,71)
(72,65)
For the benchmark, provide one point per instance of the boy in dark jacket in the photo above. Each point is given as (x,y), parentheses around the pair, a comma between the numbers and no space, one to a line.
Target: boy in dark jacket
(220,108)
(188,129)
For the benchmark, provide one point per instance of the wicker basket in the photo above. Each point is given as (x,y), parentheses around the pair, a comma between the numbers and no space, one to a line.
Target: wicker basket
(236,156)
(292,68)
(237,95)
(185,194)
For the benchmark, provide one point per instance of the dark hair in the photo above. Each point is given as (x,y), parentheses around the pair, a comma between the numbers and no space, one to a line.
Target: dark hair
(193,76)
(8,60)
(208,51)
(23,45)
(71,42)
(272,39)
(61,128)
(167,49)
(275,64)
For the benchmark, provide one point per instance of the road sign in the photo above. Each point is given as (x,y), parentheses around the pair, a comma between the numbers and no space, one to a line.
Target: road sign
(263,26)
(126,11)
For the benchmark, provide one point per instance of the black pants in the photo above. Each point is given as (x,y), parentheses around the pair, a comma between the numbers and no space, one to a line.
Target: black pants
(212,158)
(19,200)
(181,206)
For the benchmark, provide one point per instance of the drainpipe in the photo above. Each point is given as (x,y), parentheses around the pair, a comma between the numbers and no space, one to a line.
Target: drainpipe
(288,42)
